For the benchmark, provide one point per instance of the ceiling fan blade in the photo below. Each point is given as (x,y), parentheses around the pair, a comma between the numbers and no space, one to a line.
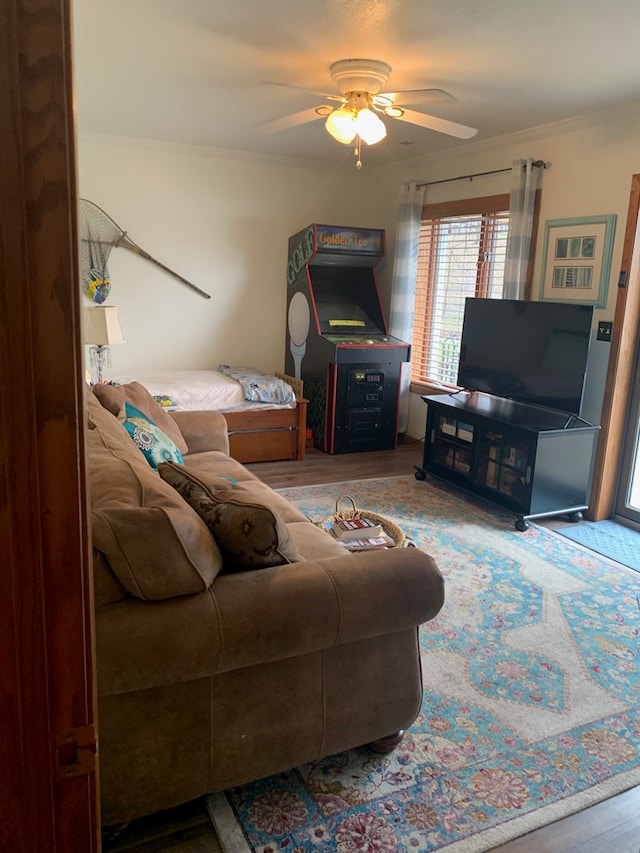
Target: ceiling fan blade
(302,89)
(441,125)
(293,120)
(420,96)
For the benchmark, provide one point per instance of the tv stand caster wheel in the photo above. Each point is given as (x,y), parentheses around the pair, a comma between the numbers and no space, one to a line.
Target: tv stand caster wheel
(575,517)
(521,525)
(420,474)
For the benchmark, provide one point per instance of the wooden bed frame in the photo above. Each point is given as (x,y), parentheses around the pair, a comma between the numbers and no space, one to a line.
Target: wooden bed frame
(271,435)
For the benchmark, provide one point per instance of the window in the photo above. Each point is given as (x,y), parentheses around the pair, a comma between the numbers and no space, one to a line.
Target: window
(461,253)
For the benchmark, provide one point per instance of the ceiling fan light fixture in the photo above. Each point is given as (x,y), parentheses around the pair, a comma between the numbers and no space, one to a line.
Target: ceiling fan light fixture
(369,127)
(341,124)
(368,75)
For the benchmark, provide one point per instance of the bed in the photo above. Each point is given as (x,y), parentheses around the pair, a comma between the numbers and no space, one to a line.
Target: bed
(258,431)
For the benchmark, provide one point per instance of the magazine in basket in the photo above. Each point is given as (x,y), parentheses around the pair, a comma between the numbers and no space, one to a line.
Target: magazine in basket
(346,529)
(363,543)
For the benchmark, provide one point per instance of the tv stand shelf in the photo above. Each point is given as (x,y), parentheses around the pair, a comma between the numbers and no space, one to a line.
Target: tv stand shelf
(534,461)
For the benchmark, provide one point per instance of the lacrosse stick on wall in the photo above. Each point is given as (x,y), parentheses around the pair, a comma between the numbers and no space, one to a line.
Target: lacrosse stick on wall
(99,234)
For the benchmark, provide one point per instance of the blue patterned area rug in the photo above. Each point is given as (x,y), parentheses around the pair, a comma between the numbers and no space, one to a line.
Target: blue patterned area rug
(531,696)
(608,538)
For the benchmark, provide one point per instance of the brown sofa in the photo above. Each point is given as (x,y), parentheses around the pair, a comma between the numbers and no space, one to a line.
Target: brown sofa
(209,678)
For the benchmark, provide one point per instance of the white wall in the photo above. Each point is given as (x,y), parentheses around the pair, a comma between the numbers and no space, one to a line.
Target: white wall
(221,222)
(591,162)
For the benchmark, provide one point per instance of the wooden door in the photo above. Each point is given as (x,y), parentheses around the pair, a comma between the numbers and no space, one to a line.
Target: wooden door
(49,799)
(618,385)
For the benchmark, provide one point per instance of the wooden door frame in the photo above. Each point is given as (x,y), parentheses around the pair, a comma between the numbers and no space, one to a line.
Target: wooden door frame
(46,637)
(626,325)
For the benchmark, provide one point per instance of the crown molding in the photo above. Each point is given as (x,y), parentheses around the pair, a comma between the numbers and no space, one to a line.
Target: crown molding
(205,151)
(388,170)
(586,121)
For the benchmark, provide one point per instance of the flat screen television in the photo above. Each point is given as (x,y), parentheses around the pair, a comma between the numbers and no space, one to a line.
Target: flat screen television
(532,352)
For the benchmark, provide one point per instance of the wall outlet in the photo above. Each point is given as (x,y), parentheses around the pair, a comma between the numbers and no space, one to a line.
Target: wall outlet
(604,331)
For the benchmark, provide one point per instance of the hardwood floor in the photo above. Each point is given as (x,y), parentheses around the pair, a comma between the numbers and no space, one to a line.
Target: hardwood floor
(184,829)
(319,467)
(612,826)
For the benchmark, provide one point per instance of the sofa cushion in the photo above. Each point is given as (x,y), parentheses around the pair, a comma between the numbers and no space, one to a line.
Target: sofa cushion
(250,534)
(153,443)
(113,398)
(155,543)
(215,462)
(107,589)
(313,542)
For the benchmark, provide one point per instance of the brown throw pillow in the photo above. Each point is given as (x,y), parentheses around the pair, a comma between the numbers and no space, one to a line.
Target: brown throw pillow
(249,534)
(113,398)
(155,544)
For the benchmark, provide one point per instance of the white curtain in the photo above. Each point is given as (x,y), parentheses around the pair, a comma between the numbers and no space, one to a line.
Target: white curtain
(403,285)
(524,183)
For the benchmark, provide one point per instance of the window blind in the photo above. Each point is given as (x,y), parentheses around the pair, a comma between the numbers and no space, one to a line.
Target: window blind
(458,256)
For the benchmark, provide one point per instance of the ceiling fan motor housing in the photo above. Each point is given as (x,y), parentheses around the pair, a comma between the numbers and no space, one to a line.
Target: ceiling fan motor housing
(360,75)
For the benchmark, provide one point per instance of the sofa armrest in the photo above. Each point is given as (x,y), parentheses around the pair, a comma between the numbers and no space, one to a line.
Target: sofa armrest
(308,606)
(204,430)
(254,617)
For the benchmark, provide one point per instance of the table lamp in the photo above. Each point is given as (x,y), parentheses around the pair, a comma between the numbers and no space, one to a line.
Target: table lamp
(102,328)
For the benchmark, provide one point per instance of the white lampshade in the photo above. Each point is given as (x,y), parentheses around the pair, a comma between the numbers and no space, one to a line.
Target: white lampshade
(369,127)
(102,326)
(341,124)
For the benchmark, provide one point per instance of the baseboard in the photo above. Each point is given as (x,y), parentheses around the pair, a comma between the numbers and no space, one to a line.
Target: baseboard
(224,821)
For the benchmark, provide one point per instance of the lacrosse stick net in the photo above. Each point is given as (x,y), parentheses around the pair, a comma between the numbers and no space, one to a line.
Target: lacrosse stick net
(95,245)
(99,234)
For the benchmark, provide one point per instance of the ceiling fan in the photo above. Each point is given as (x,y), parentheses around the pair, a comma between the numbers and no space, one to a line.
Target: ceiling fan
(356,115)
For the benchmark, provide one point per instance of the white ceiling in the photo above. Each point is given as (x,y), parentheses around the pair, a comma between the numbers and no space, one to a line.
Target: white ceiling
(195,71)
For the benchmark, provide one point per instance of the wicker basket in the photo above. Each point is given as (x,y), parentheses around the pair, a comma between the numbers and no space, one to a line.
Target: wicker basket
(389,527)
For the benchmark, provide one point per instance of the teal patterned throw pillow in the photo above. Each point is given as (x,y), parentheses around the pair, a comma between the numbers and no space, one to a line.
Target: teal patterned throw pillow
(156,445)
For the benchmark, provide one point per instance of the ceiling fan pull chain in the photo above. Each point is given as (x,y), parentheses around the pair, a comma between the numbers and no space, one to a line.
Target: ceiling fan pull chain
(357,151)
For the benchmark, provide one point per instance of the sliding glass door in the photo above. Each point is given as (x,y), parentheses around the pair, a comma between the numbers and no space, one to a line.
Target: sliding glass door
(627,508)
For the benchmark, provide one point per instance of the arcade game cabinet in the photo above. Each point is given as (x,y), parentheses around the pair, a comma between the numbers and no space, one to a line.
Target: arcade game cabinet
(337,340)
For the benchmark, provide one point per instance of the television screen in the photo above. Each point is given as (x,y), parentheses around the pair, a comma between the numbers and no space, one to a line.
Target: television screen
(533,352)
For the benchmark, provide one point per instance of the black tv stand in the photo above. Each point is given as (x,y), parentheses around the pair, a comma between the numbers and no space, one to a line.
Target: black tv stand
(534,461)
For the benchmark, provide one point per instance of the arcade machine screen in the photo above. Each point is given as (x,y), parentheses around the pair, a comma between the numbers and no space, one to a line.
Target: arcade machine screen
(346,302)
(338,316)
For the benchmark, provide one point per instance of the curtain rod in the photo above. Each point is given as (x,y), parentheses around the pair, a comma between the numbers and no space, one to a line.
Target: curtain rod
(540,164)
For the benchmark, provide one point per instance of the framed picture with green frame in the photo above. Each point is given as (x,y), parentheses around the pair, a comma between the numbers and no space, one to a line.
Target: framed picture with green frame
(576,259)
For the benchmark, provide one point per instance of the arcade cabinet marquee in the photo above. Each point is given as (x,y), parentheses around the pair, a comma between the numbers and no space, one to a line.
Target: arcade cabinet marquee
(337,338)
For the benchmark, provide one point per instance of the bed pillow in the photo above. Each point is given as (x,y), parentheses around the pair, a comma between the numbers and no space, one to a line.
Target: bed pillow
(250,534)
(154,444)
(113,398)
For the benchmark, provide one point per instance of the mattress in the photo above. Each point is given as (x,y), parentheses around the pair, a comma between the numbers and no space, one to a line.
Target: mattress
(197,390)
